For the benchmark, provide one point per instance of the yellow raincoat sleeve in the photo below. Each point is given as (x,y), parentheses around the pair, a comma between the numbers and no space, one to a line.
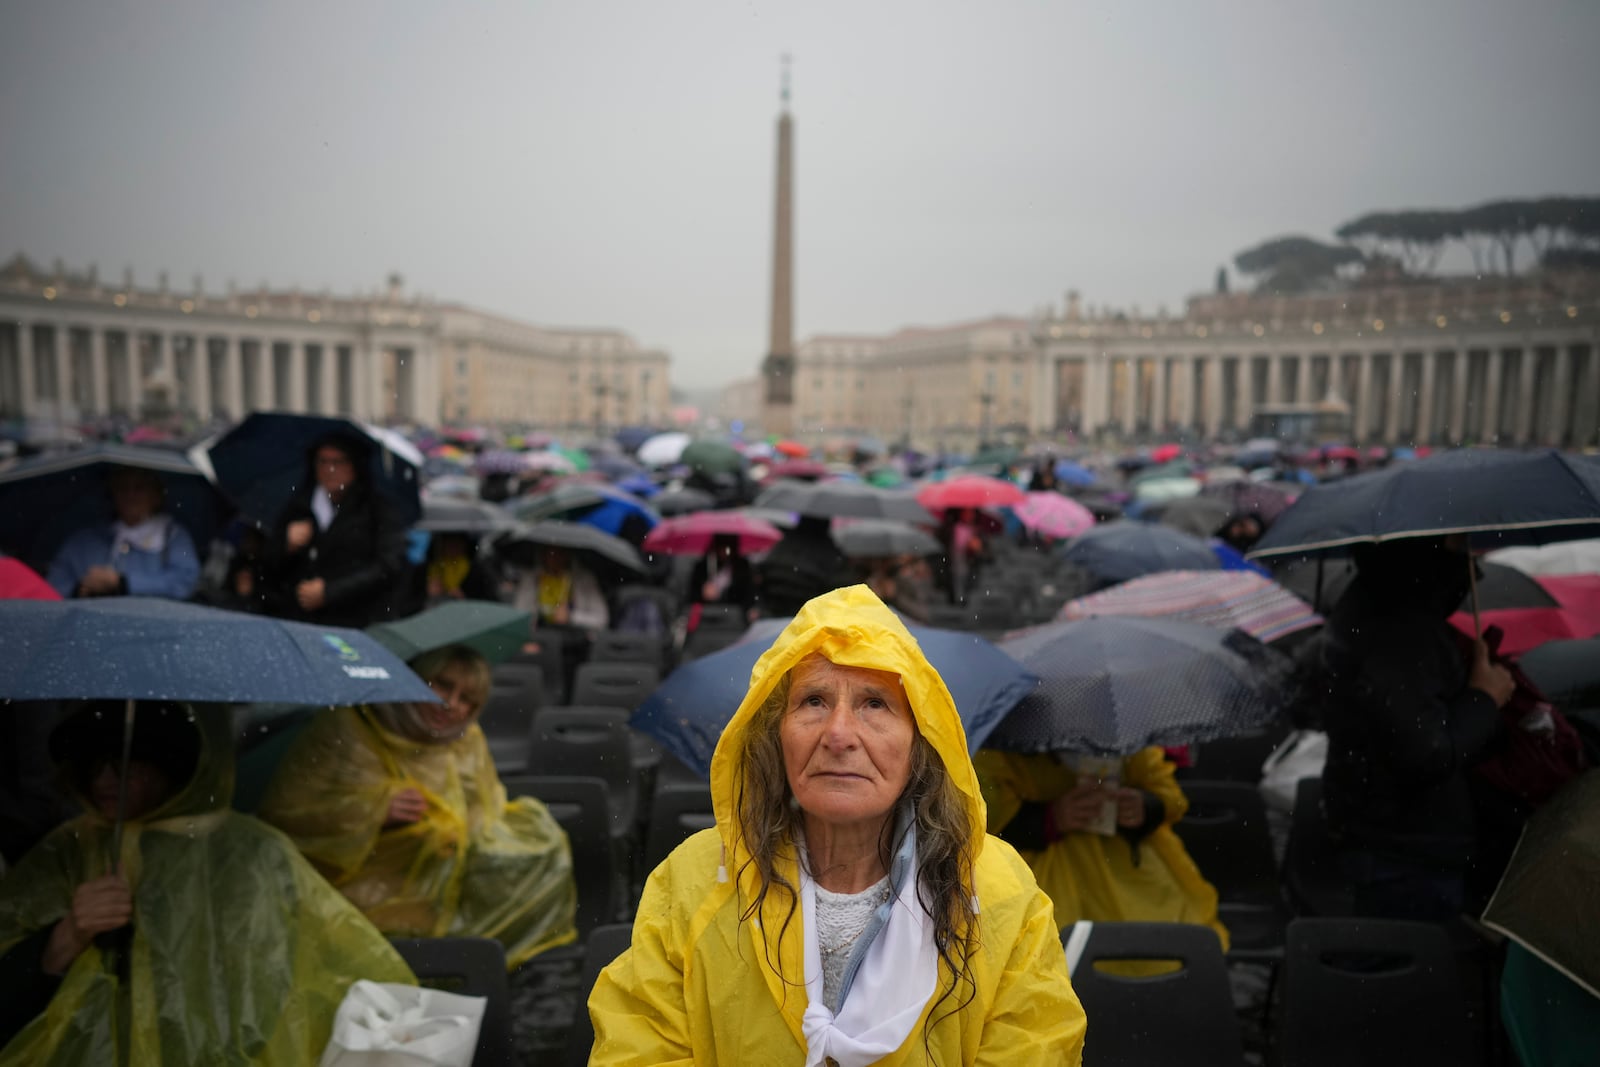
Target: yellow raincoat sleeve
(1150,770)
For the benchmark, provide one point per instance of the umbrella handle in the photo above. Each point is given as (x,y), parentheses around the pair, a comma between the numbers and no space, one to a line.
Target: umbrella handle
(122,785)
(1472,584)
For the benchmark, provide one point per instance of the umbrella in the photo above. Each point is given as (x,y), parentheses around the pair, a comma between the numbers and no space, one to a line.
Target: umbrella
(263,461)
(969,491)
(459,486)
(687,712)
(803,469)
(494,631)
(1200,516)
(843,500)
(793,449)
(1176,469)
(886,476)
(1568,672)
(1161,490)
(44,500)
(1053,515)
(663,450)
(521,545)
(1570,557)
(683,501)
(1319,581)
(711,457)
(18,581)
(640,485)
(1075,474)
(1545,899)
(1503,497)
(1253,498)
(1572,611)
(691,535)
(880,538)
(996,456)
(1501,587)
(502,461)
(1165,453)
(601,506)
(1122,550)
(1224,600)
(1112,685)
(474,517)
(615,467)
(631,437)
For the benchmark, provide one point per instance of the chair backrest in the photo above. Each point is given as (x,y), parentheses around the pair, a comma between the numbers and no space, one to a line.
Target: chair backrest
(604,944)
(1235,759)
(1312,876)
(474,967)
(614,685)
(549,658)
(705,641)
(677,811)
(1370,990)
(517,690)
(615,646)
(580,805)
(664,599)
(588,742)
(722,617)
(1225,833)
(1181,1013)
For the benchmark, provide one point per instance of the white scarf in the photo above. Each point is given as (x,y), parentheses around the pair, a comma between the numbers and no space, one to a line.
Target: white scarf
(149,536)
(323,508)
(897,976)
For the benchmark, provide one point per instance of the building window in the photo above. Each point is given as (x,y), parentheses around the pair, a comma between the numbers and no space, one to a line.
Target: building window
(461,366)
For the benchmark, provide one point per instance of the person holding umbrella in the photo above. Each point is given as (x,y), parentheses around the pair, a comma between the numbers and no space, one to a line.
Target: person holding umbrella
(400,807)
(142,552)
(338,550)
(208,933)
(724,576)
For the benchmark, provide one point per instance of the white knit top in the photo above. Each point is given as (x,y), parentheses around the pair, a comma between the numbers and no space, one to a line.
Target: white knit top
(841,920)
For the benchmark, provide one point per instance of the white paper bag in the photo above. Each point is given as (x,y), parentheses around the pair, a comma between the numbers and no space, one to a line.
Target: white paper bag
(384,1024)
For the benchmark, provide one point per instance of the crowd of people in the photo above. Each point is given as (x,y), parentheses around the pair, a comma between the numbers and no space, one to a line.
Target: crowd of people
(870,892)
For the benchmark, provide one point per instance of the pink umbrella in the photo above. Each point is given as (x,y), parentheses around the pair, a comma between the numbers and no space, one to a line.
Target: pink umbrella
(691,535)
(804,469)
(969,491)
(1054,515)
(1165,453)
(1231,600)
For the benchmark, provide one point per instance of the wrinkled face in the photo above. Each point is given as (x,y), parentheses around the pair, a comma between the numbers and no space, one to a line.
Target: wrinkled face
(134,496)
(148,789)
(461,703)
(335,471)
(846,737)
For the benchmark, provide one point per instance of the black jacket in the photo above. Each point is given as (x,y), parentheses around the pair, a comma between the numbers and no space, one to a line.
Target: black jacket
(805,564)
(361,557)
(741,587)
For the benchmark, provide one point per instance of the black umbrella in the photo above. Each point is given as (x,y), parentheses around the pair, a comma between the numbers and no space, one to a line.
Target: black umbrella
(1123,550)
(682,501)
(872,538)
(521,545)
(1111,685)
(474,517)
(843,500)
(1500,586)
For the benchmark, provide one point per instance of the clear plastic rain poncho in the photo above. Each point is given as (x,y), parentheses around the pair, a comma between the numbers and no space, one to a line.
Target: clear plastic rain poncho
(240,952)
(473,866)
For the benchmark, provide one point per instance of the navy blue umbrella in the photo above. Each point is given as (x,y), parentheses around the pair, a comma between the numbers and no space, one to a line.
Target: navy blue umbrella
(1120,551)
(689,710)
(1499,497)
(1111,685)
(46,499)
(262,462)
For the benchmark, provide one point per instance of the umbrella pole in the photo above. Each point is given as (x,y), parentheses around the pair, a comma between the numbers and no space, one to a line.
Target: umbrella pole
(1316,597)
(1472,583)
(122,784)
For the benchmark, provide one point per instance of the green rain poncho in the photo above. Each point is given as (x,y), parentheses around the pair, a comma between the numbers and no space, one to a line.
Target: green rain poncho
(240,952)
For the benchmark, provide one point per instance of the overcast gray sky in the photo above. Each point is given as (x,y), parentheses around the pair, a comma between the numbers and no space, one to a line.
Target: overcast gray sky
(600,163)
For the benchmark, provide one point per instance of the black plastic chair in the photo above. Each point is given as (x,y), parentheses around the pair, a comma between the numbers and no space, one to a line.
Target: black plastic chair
(614,685)
(1182,1016)
(605,944)
(1371,991)
(677,811)
(704,642)
(474,967)
(614,646)
(515,697)
(722,617)
(665,600)
(588,742)
(1311,873)
(582,807)
(550,659)
(1225,833)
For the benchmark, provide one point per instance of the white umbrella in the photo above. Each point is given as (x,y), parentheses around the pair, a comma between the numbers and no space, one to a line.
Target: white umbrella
(1162,490)
(663,449)
(1564,557)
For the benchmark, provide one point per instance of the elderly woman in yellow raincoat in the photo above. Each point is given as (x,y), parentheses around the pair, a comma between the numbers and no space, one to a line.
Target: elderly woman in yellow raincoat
(1138,872)
(848,908)
(400,807)
(211,941)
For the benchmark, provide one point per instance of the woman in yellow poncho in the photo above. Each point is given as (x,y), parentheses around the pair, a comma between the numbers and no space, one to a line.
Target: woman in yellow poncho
(211,942)
(848,907)
(400,807)
(1139,872)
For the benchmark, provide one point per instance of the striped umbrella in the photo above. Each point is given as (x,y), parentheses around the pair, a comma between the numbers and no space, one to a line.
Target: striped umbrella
(1226,600)
(1053,515)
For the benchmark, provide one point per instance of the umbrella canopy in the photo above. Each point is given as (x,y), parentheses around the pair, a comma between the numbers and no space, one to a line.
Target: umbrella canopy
(1573,612)
(502,461)
(1223,600)
(886,476)
(1569,557)
(614,466)
(602,506)
(629,438)
(691,535)
(683,501)
(44,500)
(663,450)
(1161,490)
(1545,899)
(1500,587)
(880,538)
(1254,498)
(138,648)
(474,517)
(264,460)
(640,485)
(18,581)
(1165,453)
(969,491)
(522,544)
(996,456)
(1122,550)
(793,449)
(1199,516)
(1568,672)
(1177,469)
(843,500)
(687,713)
(1075,474)
(494,631)
(803,469)
(1111,686)
(1503,497)
(711,457)
(1053,515)
(549,462)
(459,486)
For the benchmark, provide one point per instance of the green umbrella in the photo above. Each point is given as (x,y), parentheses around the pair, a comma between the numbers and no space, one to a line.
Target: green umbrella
(712,457)
(495,631)
(579,458)
(1176,469)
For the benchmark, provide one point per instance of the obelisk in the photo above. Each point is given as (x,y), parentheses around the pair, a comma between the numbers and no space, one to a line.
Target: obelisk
(777,370)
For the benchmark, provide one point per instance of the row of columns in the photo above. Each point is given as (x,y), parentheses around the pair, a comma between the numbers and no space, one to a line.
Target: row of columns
(1422,397)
